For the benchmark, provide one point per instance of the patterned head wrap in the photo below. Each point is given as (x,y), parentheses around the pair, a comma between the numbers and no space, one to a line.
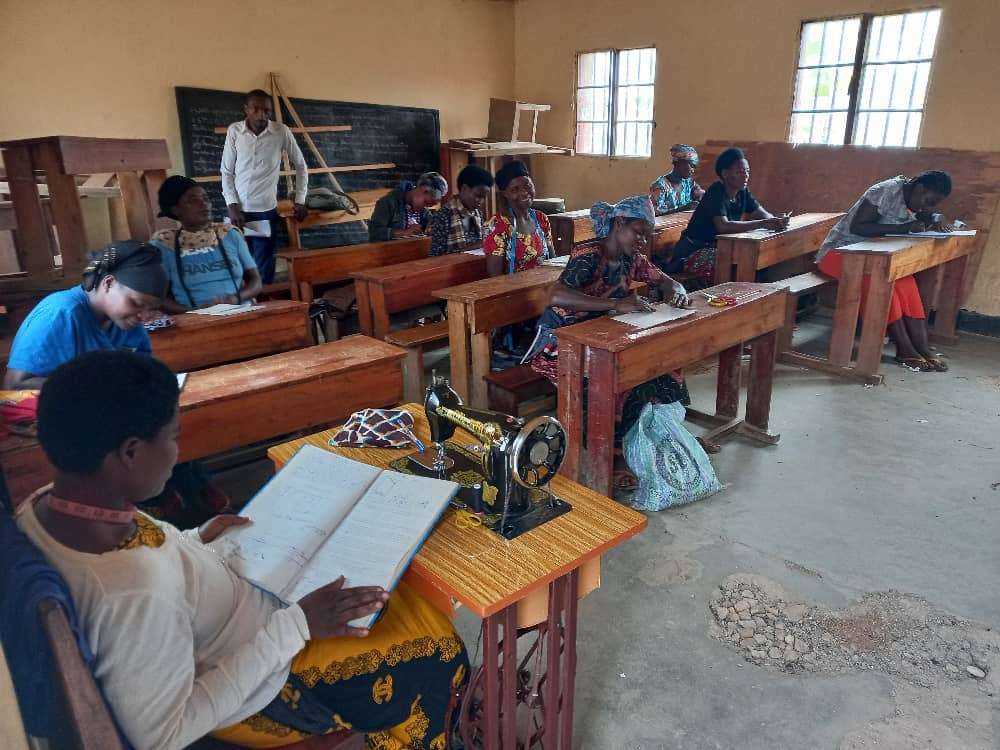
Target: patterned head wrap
(635,207)
(683,152)
(134,264)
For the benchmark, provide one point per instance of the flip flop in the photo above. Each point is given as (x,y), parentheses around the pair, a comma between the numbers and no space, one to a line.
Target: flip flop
(915,364)
(936,364)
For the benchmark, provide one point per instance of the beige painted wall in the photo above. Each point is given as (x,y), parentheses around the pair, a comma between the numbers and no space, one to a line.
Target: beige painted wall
(728,75)
(109,67)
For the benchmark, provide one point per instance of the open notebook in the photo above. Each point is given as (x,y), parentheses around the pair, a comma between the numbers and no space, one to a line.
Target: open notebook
(323,516)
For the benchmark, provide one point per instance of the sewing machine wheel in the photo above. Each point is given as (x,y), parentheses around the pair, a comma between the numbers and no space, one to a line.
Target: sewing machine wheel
(539,450)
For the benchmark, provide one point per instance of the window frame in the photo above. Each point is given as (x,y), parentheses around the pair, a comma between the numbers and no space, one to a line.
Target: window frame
(612,120)
(857,73)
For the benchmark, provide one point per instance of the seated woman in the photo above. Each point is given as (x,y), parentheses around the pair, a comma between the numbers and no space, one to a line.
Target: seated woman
(677,190)
(597,281)
(458,225)
(206,263)
(518,238)
(404,211)
(184,647)
(894,206)
(123,284)
(721,211)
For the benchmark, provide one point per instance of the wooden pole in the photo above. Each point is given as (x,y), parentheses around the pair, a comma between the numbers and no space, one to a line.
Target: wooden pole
(276,104)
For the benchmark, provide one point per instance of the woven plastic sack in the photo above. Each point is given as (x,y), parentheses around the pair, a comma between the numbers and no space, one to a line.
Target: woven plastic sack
(672,467)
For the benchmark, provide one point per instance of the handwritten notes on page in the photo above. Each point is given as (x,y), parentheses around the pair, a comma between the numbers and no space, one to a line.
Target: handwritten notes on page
(663,313)
(224,309)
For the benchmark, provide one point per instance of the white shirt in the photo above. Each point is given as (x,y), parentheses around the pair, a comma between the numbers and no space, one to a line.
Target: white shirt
(183,645)
(887,196)
(251,166)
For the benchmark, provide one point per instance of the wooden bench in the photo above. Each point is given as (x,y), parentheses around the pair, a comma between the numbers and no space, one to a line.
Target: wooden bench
(85,720)
(309,268)
(414,340)
(507,389)
(804,283)
(571,229)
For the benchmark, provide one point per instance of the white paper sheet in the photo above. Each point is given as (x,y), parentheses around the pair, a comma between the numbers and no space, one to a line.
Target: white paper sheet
(956,233)
(257,229)
(559,260)
(475,251)
(181,380)
(224,309)
(663,313)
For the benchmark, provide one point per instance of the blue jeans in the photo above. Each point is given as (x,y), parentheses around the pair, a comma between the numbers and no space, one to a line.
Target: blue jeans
(262,248)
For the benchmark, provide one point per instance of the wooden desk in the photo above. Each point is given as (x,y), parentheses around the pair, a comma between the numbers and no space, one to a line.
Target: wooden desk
(571,228)
(884,260)
(476,309)
(404,286)
(739,256)
(307,268)
(199,341)
(498,581)
(234,405)
(615,357)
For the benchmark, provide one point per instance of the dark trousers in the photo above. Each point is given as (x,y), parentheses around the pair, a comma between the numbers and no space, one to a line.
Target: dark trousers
(262,248)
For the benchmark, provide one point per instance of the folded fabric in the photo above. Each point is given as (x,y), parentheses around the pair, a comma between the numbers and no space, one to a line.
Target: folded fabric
(377,428)
(18,412)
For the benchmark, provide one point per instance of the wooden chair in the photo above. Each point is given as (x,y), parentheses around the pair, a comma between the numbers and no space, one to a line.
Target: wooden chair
(414,340)
(85,720)
(507,389)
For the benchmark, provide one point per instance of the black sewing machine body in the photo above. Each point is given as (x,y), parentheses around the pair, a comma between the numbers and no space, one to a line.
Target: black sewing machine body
(505,476)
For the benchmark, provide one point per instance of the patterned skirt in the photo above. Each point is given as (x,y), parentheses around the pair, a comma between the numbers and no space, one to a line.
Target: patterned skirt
(394,685)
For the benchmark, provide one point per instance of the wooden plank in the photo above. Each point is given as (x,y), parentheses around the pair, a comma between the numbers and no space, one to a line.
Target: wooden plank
(136,205)
(762,355)
(315,170)
(603,388)
(328,265)
(727,389)
(952,284)
(199,341)
(92,155)
(34,246)
(570,393)
(64,203)
(298,130)
(362,297)
(458,346)
(845,316)
(480,356)
(505,299)
(152,179)
(873,326)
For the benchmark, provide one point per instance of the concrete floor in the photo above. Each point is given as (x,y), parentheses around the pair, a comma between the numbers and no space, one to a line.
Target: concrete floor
(870,489)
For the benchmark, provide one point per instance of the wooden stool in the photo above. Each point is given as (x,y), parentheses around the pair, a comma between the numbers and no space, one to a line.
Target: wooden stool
(414,340)
(507,389)
(797,286)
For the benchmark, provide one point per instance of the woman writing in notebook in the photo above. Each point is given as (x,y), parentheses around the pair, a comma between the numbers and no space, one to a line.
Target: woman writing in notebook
(597,280)
(206,263)
(518,237)
(895,206)
(185,647)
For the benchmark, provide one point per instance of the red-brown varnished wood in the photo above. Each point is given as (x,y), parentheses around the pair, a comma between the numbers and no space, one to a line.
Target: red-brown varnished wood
(752,251)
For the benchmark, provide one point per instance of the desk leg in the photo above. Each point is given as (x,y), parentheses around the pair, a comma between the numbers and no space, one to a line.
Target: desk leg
(362,296)
(380,315)
(876,317)
(760,387)
(570,395)
(845,317)
(745,259)
(723,262)
(727,395)
(458,345)
(949,300)
(481,345)
(602,392)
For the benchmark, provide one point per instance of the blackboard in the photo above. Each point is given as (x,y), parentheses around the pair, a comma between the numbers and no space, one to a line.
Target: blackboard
(409,137)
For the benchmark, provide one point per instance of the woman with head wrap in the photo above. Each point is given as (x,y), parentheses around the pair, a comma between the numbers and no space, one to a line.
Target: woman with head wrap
(404,211)
(677,190)
(597,280)
(206,263)
(726,208)
(122,284)
(517,237)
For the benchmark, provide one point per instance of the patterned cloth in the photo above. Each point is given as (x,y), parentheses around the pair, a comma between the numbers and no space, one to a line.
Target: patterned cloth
(530,248)
(701,263)
(603,215)
(887,196)
(667,196)
(378,428)
(454,226)
(395,684)
(683,152)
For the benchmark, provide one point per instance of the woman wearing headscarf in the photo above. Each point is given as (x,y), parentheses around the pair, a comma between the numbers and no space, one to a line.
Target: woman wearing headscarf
(122,284)
(207,263)
(404,212)
(518,237)
(597,280)
(677,189)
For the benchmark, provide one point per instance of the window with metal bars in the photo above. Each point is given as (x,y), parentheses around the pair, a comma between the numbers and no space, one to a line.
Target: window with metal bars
(614,102)
(863,79)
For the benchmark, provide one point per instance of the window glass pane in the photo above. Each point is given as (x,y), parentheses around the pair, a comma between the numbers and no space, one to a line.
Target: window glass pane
(842,90)
(882,86)
(800,128)
(832,35)
(913,129)
(860,128)
(902,87)
(585,104)
(895,132)
(930,33)
(913,34)
(824,88)
(633,139)
(867,77)
(812,43)
(838,128)
(594,69)
(876,129)
(920,85)
(805,89)
(821,128)
(889,39)
(600,139)
(849,41)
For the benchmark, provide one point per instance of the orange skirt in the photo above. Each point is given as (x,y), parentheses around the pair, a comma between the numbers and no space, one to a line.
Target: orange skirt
(905,301)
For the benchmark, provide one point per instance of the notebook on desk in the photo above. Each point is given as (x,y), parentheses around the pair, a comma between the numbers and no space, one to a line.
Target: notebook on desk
(323,516)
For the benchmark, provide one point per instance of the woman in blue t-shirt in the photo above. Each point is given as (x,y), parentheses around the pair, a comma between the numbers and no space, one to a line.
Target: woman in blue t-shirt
(206,263)
(122,284)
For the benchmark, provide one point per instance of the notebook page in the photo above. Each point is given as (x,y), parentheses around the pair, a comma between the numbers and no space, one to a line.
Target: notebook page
(374,544)
(293,515)
(663,313)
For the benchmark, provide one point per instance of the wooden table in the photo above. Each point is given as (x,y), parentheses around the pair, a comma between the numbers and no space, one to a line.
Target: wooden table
(199,341)
(570,228)
(739,256)
(884,260)
(328,265)
(615,357)
(476,309)
(504,583)
(234,405)
(404,286)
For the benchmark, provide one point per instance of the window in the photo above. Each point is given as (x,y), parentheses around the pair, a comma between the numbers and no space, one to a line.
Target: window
(863,79)
(614,102)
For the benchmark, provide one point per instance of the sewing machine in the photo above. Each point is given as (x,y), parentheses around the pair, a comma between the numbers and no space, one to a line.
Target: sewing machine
(506,475)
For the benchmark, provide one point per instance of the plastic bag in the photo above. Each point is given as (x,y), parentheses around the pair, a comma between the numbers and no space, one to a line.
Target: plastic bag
(672,467)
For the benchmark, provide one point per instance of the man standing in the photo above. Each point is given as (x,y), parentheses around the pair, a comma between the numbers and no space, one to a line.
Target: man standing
(251,166)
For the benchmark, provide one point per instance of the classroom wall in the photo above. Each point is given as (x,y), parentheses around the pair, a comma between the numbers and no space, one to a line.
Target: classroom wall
(109,67)
(704,48)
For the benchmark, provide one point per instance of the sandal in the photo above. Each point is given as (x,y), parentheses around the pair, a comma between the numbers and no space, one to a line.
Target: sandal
(938,365)
(624,480)
(915,364)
